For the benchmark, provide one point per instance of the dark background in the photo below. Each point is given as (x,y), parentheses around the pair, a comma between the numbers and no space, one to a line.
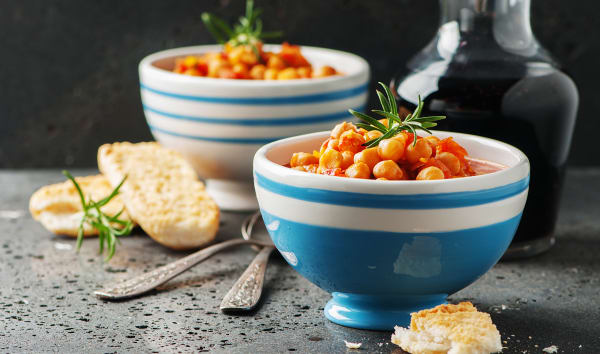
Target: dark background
(68,69)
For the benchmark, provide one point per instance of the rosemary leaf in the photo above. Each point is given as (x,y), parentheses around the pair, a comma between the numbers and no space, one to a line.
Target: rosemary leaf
(411,123)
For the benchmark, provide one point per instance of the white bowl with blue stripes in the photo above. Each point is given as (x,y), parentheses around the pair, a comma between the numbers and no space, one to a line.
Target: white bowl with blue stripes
(218,124)
(384,249)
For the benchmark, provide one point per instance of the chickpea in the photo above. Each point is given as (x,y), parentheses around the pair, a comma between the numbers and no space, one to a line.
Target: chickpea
(324,146)
(215,65)
(258,72)
(324,71)
(351,141)
(304,72)
(430,173)
(347,159)
(337,131)
(303,158)
(271,74)
(192,72)
(288,74)
(422,149)
(401,137)
(275,62)
(391,149)
(358,170)
(368,156)
(433,141)
(333,144)
(450,160)
(241,70)
(388,169)
(249,57)
(227,73)
(373,134)
(330,159)
(235,54)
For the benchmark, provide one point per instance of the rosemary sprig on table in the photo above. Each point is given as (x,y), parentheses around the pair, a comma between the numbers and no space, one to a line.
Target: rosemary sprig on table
(249,30)
(93,216)
(396,124)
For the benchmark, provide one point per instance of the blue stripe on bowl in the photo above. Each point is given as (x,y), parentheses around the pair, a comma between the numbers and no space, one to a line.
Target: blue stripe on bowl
(257,141)
(390,263)
(386,201)
(283,100)
(321,118)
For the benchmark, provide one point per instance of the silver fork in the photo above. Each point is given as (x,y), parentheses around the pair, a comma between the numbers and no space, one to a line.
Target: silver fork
(245,293)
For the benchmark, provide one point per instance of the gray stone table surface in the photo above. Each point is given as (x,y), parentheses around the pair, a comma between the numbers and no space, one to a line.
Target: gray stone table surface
(46,303)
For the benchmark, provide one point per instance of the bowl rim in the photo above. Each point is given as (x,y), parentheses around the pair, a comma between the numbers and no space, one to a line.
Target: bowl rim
(146,65)
(506,176)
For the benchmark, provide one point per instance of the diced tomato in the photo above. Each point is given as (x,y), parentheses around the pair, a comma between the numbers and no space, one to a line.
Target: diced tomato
(202,68)
(449,145)
(423,163)
(409,138)
(292,56)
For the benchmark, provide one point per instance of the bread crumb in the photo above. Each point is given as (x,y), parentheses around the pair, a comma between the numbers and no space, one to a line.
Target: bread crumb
(551,349)
(351,345)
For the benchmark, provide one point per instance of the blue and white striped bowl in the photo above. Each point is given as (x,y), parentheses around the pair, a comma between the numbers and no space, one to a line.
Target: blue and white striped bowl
(387,248)
(218,124)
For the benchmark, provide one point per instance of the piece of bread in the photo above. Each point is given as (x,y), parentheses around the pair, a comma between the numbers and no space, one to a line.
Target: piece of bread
(58,206)
(452,329)
(162,193)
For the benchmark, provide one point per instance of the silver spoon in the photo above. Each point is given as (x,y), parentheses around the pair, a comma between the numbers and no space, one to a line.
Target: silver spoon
(148,281)
(246,292)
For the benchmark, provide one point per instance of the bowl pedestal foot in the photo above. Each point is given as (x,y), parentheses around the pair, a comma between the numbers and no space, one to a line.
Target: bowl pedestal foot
(378,312)
(232,195)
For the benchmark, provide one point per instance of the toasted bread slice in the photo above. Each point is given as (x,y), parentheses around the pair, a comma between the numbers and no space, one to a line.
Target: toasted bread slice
(58,206)
(162,193)
(452,329)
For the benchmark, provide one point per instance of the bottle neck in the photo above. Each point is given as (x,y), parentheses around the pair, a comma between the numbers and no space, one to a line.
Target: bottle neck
(504,21)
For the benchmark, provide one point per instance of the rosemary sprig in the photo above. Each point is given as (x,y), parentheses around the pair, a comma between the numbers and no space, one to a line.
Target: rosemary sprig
(93,216)
(396,124)
(249,30)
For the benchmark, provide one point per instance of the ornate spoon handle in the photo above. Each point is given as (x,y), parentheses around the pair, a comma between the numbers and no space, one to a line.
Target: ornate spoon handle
(245,293)
(148,281)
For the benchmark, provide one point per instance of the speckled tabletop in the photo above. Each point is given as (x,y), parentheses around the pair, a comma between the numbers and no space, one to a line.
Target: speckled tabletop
(46,303)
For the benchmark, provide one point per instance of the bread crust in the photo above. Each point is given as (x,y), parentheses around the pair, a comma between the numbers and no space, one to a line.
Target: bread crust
(454,329)
(58,206)
(162,193)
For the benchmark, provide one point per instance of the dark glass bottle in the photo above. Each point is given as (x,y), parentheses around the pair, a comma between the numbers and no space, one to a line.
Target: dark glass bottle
(488,74)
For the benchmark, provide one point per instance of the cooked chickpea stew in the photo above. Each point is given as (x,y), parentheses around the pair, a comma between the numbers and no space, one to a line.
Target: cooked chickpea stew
(251,62)
(344,154)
